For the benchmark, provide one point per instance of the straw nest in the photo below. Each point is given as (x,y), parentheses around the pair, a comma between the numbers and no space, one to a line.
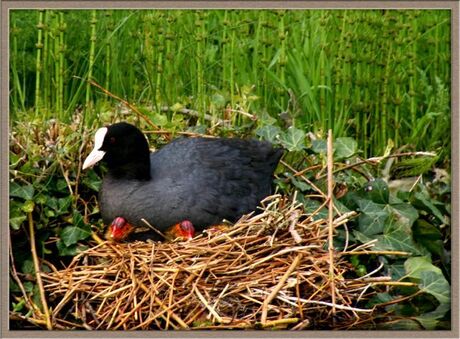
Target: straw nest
(271,270)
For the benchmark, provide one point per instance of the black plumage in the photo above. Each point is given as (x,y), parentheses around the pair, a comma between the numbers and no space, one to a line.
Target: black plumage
(203,180)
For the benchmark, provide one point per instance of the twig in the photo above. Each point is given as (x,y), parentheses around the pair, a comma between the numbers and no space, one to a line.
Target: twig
(193,113)
(371,273)
(66,176)
(132,107)
(318,302)
(428,154)
(246,114)
(279,322)
(330,194)
(415,183)
(374,252)
(153,228)
(379,159)
(395,283)
(38,272)
(304,178)
(294,218)
(278,288)
(16,278)
(206,304)
(395,301)
(163,306)
(96,237)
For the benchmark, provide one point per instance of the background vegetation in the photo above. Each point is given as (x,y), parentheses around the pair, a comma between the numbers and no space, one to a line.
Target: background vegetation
(380,79)
(371,74)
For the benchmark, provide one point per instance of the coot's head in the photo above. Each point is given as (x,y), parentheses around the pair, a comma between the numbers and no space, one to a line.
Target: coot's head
(125,150)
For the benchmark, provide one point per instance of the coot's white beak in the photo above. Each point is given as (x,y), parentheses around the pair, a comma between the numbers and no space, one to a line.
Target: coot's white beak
(96,154)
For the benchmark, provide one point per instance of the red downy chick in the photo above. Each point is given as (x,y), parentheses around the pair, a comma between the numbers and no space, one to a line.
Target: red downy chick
(119,229)
(183,230)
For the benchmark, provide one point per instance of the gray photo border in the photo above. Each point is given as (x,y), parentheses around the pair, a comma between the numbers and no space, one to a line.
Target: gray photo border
(6,5)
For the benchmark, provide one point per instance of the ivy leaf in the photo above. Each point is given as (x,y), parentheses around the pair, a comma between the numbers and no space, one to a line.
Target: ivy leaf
(17,216)
(25,192)
(72,234)
(312,205)
(71,250)
(377,191)
(430,320)
(435,284)
(429,236)
(36,297)
(344,148)
(293,139)
(342,208)
(28,206)
(416,265)
(379,298)
(16,222)
(432,280)
(77,220)
(28,267)
(159,119)
(301,185)
(92,181)
(66,250)
(397,236)
(404,213)
(424,203)
(396,271)
(28,286)
(427,322)
(60,205)
(266,119)
(361,237)
(19,306)
(403,325)
(61,185)
(372,218)
(269,133)
(319,146)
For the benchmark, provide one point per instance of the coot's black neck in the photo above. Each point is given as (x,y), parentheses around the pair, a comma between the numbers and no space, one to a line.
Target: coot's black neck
(137,170)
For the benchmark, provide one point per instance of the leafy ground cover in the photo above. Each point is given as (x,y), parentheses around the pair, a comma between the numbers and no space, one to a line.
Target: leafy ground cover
(50,194)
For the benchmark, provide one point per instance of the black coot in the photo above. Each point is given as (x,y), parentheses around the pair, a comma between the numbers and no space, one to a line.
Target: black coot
(203,180)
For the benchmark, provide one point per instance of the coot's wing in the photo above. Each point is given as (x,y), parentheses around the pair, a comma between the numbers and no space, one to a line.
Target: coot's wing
(215,179)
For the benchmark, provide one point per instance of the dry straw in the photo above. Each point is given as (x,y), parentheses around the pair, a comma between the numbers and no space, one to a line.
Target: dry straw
(263,271)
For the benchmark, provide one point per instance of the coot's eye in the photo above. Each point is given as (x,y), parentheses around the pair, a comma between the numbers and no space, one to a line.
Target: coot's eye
(112,140)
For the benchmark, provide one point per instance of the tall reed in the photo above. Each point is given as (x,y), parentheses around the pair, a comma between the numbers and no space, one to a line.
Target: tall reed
(355,71)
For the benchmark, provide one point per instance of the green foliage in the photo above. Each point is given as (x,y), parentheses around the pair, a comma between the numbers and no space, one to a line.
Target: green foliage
(78,231)
(39,185)
(45,181)
(413,167)
(345,148)
(397,224)
(293,139)
(370,75)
